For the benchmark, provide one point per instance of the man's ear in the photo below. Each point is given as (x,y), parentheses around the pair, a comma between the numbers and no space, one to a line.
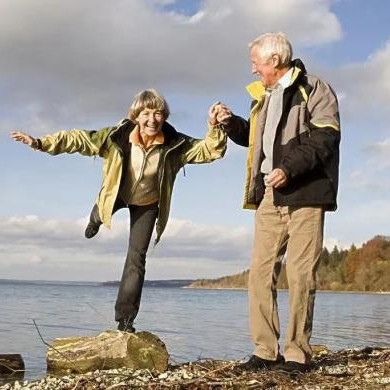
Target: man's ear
(275,60)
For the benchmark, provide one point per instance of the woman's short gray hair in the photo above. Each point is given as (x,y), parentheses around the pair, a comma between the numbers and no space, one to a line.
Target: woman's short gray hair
(272,43)
(149,98)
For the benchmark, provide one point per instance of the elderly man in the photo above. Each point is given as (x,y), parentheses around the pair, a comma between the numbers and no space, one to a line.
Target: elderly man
(293,137)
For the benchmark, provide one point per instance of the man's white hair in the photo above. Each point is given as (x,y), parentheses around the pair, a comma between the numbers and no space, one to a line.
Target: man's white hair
(272,43)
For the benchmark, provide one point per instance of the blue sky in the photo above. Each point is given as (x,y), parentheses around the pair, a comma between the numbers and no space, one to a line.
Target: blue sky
(78,65)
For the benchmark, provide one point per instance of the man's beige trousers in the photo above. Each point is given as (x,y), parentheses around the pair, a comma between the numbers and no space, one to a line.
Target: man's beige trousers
(298,233)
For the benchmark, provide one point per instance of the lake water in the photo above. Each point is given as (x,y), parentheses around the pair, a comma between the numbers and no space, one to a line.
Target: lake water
(192,323)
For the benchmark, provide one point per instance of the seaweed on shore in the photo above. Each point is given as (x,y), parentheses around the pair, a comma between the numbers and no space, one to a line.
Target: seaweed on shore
(350,369)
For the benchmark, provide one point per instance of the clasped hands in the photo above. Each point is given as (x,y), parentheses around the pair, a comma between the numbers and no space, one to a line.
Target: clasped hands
(219,113)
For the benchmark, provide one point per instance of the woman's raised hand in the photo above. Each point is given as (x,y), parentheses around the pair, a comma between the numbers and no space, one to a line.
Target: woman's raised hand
(23,137)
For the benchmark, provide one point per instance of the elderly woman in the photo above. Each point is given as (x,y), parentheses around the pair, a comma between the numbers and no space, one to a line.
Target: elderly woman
(141,157)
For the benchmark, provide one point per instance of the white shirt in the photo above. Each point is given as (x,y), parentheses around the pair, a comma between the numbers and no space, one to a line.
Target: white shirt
(274,113)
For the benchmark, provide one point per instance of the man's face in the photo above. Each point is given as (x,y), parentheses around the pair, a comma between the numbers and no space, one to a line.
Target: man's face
(150,121)
(264,68)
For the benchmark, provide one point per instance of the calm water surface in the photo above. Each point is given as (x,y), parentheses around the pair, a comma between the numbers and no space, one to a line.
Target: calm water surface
(192,323)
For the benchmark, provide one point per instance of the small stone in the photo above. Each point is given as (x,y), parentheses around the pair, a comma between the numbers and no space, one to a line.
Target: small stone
(186,376)
(17,385)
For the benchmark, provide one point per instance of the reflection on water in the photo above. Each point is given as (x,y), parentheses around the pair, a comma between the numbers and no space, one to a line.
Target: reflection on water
(193,323)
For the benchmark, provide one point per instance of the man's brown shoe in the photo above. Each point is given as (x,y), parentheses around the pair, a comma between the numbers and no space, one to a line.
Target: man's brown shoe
(293,368)
(256,363)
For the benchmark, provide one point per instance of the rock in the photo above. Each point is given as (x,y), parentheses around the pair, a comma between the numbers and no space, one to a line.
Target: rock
(320,349)
(111,349)
(9,363)
(17,385)
(11,368)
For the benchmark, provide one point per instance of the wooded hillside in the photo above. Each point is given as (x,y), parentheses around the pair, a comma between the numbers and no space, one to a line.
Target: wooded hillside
(354,269)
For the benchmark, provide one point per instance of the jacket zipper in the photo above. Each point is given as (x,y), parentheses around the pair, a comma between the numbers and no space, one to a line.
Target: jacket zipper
(162,165)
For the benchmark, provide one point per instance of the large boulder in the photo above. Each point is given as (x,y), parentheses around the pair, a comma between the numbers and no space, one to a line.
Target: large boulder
(108,350)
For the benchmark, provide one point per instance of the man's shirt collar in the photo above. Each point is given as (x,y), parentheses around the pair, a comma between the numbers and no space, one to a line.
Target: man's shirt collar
(285,80)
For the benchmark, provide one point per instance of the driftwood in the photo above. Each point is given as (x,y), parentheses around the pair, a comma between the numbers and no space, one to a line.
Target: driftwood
(108,350)
(11,363)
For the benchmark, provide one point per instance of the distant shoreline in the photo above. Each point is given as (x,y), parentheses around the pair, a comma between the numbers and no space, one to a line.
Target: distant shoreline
(285,289)
(114,283)
(170,283)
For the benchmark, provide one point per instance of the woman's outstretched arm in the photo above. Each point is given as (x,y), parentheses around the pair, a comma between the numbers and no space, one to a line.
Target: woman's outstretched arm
(88,143)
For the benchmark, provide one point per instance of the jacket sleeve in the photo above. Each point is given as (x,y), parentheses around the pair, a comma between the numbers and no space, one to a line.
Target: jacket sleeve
(323,129)
(199,151)
(85,142)
(238,130)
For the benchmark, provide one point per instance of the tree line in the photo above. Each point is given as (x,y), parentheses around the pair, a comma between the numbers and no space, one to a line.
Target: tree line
(355,269)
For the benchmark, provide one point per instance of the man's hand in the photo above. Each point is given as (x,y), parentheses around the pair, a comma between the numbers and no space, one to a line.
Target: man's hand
(219,113)
(23,137)
(277,178)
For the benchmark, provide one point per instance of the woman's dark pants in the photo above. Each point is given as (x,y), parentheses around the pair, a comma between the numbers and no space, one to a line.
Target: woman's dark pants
(142,221)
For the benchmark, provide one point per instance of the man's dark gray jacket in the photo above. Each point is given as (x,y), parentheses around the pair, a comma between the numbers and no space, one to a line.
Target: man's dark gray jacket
(306,145)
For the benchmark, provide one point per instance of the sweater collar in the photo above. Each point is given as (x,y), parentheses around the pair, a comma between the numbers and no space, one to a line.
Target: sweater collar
(135,137)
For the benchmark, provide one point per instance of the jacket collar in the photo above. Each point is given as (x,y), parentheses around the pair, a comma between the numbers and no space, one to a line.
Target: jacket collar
(170,134)
(298,72)
(126,126)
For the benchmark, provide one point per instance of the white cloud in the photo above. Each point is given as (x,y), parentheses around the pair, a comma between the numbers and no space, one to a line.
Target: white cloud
(87,59)
(164,2)
(36,248)
(35,259)
(375,173)
(359,219)
(382,147)
(59,248)
(365,87)
(331,242)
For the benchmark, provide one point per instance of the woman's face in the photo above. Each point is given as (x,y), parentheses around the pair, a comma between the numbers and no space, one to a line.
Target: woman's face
(150,121)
